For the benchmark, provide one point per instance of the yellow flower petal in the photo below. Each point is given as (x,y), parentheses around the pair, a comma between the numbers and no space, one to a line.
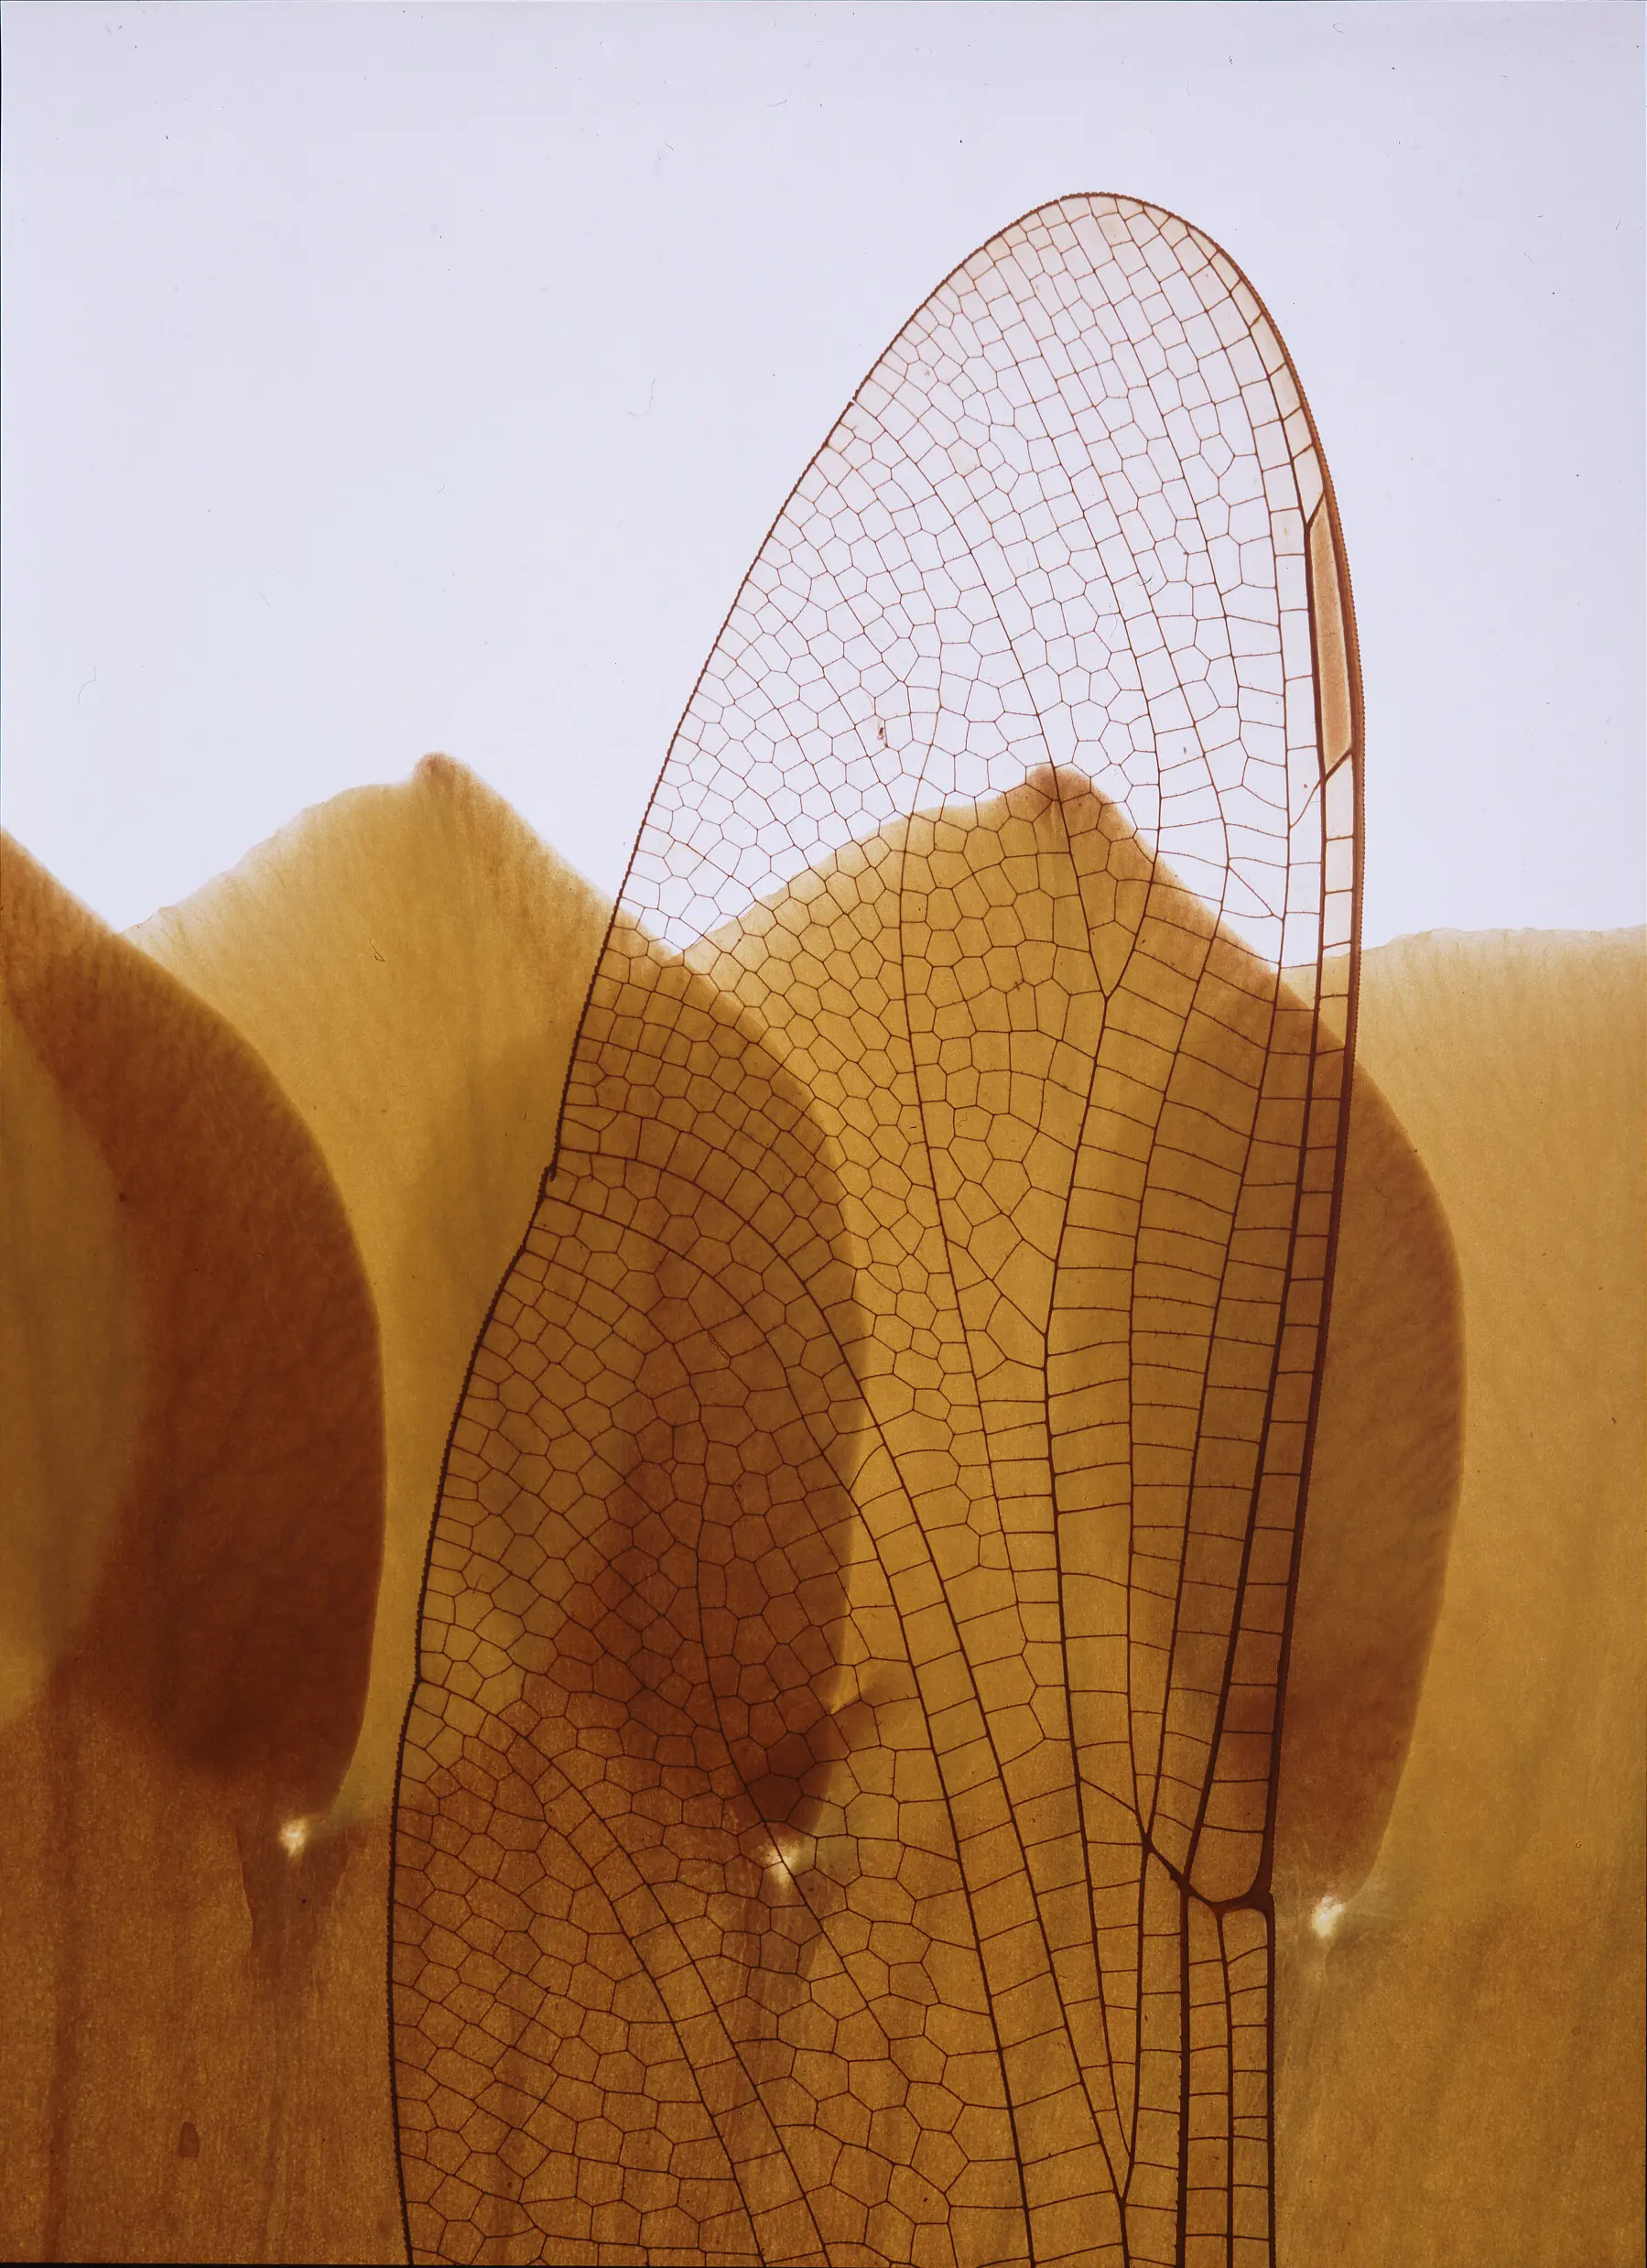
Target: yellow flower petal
(410,963)
(196,1495)
(1463,2080)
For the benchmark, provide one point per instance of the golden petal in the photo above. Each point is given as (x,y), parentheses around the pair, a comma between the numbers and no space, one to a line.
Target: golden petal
(1462,2083)
(410,963)
(206,1564)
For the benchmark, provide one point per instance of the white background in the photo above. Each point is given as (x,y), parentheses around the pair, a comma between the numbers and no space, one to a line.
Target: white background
(380,379)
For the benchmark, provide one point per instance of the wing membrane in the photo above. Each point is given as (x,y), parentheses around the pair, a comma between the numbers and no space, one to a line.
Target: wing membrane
(837,1802)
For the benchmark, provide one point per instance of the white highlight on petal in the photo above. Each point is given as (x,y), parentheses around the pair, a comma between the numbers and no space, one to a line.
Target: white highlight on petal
(789,1855)
(292,1836)
(1325,1920)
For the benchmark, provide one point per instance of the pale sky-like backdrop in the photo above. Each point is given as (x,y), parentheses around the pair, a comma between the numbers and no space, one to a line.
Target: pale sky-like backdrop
(381,379)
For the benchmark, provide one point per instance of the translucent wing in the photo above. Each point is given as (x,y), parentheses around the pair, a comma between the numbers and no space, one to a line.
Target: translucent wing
(836,1801)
